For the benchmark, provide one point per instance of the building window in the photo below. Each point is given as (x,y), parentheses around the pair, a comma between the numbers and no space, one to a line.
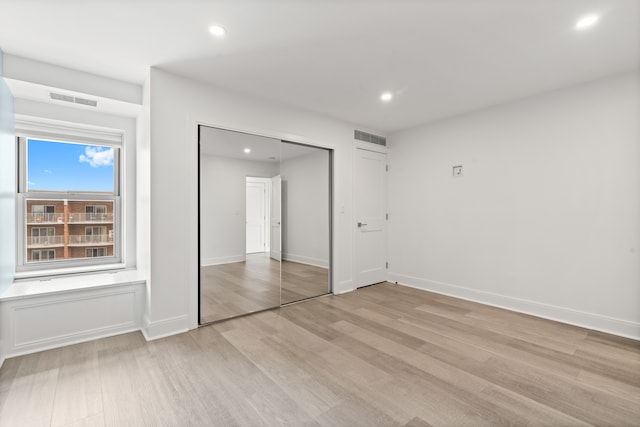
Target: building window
(95,252)
(68,198)
(42,213)
(43,255)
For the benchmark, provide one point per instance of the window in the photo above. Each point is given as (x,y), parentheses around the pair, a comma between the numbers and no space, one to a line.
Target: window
(42,213)
(42,235)
(43,255)
(95,252)
(68,199)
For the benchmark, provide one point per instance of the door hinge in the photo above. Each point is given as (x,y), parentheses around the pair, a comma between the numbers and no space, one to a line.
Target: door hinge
(387,265)
(387,216)
(387,168)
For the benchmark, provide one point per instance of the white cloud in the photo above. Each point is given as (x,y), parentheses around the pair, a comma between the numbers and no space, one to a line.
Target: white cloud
(47,171)
(97,156)
(31,183)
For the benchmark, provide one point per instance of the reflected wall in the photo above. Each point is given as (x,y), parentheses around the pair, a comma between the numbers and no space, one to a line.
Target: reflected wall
(306,207)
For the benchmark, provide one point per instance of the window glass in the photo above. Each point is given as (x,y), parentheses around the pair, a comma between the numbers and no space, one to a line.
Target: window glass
(69,200)
(63,166)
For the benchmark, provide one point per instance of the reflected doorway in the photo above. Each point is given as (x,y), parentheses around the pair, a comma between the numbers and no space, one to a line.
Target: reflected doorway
(258,215)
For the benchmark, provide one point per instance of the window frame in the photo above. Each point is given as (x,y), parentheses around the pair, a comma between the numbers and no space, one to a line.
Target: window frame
(26,130)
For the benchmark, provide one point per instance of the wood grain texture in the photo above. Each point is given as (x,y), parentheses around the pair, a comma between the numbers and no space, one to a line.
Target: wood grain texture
(381,356)
(234,289)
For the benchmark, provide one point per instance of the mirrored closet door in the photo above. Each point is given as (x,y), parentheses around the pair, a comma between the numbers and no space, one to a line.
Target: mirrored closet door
(306,208)
(264,223)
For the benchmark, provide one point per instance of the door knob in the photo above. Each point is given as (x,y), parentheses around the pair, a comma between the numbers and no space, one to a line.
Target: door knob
(360,224)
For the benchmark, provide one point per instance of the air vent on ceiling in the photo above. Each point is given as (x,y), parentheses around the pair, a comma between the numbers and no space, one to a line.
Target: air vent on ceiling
(74,99)
(369,137)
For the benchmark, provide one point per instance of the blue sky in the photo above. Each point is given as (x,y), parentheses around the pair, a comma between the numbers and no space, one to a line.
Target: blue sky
(68,167)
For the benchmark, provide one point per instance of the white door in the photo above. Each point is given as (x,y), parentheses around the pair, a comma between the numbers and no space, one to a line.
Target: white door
(255,217)
(370,198)
(276,209)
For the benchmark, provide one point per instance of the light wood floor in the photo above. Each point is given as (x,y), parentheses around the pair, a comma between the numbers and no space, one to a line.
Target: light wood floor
(229,290)
(301,281)
(380,356)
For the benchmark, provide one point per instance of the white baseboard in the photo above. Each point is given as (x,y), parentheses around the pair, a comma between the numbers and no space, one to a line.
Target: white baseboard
(344,287)
(205,262)
(316,262)
(165,327)
(583,319)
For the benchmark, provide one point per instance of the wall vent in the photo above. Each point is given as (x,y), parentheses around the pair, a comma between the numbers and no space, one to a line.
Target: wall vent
(74,99)
(84,101)
(61,97)
(369,137)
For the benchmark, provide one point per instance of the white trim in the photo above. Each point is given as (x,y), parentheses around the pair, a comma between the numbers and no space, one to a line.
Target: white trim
(68,284)
(165,328)
(344,287)
(222,260)
(39,127)
(582,319)
(370,146)
(316,262)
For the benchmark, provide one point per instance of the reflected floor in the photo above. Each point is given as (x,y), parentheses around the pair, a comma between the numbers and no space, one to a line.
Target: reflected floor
(300,281)
(229,290)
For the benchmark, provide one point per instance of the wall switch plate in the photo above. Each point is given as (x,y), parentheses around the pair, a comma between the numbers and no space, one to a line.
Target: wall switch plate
(457,170)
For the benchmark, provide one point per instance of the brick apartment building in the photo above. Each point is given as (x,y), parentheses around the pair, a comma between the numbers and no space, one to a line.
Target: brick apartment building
(67,229)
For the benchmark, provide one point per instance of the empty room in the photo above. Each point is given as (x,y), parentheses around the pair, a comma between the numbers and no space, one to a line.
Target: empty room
(320,212)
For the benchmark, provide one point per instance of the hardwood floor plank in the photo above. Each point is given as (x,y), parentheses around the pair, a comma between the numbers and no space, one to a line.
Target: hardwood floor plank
(383,355)
(78,392)
(30,398)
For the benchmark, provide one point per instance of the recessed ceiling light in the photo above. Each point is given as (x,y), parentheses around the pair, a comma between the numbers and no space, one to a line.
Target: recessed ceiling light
(386,96)
(247,150)
(217,31)
(586,22)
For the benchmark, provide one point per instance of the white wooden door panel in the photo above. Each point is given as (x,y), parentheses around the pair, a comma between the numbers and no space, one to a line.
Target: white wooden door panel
(255,217)
(370,209)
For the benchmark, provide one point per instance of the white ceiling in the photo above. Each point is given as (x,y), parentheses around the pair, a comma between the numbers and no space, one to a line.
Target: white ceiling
(335,57)
(230,144)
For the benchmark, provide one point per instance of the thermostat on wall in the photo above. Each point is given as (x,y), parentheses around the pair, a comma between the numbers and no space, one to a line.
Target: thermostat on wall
(457,170)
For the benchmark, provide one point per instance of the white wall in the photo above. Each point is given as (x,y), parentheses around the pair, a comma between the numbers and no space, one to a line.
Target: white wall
(546,217)
(7,192)
(7,185)
(177,105)
(222,206)
(49,75)
(143,191)
(305,208)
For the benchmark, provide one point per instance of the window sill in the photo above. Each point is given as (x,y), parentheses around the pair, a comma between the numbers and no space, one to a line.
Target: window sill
(78,282)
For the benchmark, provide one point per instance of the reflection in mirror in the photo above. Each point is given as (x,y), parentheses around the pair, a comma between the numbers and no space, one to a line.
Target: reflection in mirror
(239,224)
(306,194)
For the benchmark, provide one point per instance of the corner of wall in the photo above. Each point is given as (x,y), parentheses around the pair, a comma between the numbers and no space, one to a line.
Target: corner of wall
(7,192)
(153,330)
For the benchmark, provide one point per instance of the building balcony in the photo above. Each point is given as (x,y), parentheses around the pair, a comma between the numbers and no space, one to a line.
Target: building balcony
(91,218)
(44,241)
(95,240)
(45,218)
